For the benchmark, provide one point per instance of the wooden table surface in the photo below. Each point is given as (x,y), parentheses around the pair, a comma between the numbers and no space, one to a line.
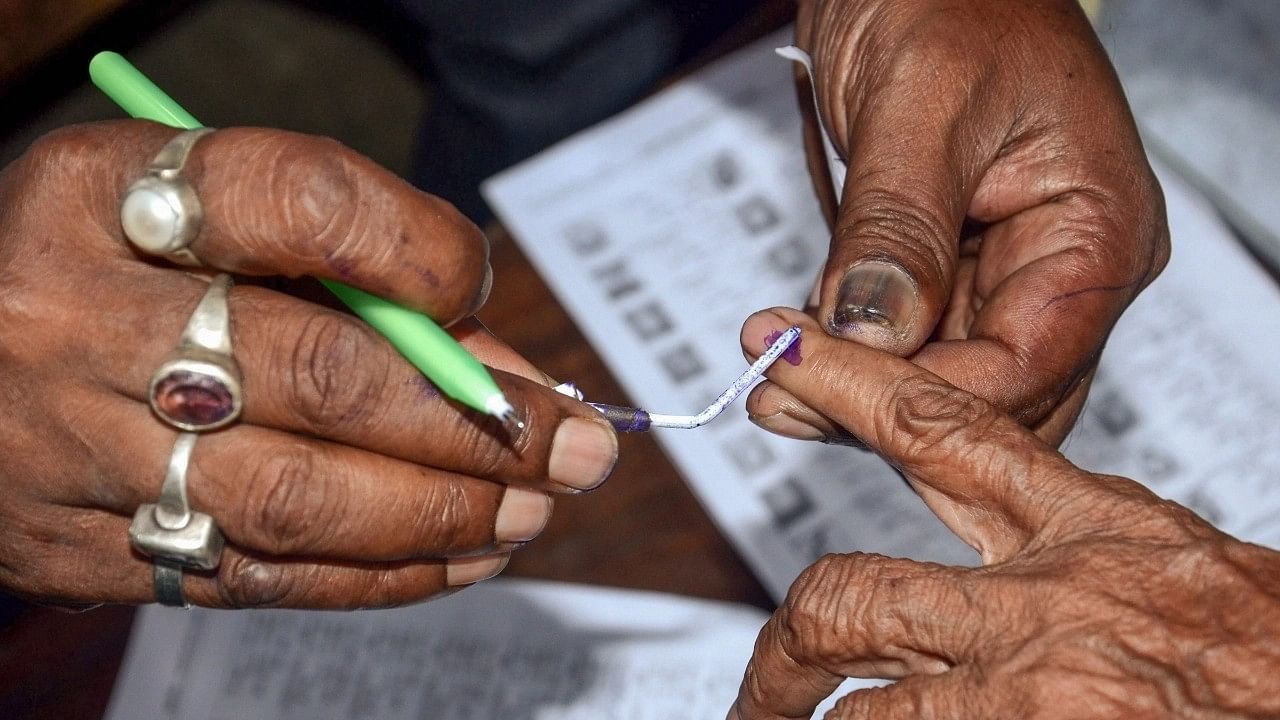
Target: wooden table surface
(641,529)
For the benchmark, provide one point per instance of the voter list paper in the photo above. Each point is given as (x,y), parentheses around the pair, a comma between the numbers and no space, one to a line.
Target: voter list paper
(663,228)
(513,649)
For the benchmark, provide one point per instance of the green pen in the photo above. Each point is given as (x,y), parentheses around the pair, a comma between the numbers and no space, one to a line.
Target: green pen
(422,342)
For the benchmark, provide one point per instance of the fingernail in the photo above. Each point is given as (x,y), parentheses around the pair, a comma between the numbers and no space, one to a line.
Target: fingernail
(486,287)
(467,571)
(783,424)
(875,292)
(521,515)
(846,440)
(583,453)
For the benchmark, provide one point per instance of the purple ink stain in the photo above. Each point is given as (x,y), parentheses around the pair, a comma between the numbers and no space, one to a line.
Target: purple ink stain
(792,354)
(428,277)
(426,389)
(344,268)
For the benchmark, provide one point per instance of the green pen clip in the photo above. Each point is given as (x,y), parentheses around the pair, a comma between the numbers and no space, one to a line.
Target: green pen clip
(426,345)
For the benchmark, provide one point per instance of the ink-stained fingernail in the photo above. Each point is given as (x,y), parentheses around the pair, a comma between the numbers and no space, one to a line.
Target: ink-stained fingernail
(783,424)
(467,571)
(878,293)
(486,287)
(583,453)
(522,514)
(846,440)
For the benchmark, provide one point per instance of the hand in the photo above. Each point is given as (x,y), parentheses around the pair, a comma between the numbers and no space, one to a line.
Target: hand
(349,481)
(999,212)
(1097,599)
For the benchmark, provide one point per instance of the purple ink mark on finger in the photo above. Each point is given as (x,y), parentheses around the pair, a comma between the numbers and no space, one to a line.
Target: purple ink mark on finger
(426,389)
(792,354)
(428,277)
(345,268)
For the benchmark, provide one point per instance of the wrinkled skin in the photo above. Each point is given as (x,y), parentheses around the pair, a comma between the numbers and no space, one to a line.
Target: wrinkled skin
(349,480)
(1095,599)
(997,188)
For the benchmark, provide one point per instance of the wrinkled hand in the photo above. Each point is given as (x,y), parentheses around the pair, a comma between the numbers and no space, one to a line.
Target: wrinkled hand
(349,480)
(1097,599)
(999,212)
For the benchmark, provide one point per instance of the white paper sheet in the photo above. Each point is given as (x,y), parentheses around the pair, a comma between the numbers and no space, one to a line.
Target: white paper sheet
(662,229)
(509,649)
(505,649)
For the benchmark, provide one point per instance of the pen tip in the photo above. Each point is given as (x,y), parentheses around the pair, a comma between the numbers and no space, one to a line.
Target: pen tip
(511,420)
(498,407)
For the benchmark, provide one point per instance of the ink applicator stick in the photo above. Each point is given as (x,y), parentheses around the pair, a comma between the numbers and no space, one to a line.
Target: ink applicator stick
(626,419)
(426,345)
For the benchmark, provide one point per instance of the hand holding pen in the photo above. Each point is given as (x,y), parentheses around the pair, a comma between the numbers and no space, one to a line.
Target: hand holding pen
(173,438)
(347,479)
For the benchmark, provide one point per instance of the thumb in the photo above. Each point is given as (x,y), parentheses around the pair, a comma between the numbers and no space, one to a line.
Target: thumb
(890,270)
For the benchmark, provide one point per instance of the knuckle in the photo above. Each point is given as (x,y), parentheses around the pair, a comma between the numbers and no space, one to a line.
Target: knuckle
(316,190)
(854,705)
(927,415)
(289,505)
(485,456)
(247,582)
(1088,504)
(906,225)
(62,152)
(1166,520)
(1127,232)
(813,626)
(445,517)
(50,172)
(335,379)
(881,702)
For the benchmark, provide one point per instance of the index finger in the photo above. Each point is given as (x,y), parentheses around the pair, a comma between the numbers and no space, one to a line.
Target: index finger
(989,479)
(281,203)
(863,616)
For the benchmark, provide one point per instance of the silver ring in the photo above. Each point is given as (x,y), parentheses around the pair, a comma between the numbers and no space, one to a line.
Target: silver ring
(170,532)
(197,388)
(168,584)
(160,212)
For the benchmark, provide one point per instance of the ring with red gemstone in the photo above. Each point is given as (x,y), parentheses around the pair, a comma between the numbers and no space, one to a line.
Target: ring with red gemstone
(198,387)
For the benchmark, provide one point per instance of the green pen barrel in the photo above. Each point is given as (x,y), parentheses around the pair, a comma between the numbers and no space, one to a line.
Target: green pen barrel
(135,93)
(424,344)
